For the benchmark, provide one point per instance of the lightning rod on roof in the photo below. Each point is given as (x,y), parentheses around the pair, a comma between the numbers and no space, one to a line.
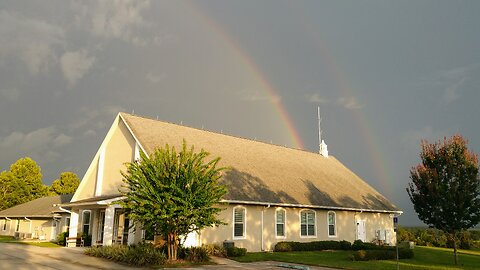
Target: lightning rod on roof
(322,146)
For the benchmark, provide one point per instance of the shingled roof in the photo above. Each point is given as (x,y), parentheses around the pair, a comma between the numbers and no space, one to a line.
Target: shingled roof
(267,174)
(43,207)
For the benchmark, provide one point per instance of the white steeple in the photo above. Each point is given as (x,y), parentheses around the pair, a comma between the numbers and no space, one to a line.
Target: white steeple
(322,146)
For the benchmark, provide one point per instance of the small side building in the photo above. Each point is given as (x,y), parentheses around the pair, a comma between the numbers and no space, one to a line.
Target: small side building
(40,219)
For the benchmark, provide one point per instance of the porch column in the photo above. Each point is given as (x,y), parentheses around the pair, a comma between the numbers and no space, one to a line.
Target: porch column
(108,226)
(73,227)
(131,232)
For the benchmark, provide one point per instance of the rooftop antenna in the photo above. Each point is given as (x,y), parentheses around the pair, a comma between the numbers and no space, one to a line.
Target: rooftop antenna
(322,146)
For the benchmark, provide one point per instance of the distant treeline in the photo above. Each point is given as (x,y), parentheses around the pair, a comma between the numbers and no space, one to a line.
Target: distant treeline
(436,238)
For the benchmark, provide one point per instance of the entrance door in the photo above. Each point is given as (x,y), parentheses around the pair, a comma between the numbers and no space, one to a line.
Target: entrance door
(361,230)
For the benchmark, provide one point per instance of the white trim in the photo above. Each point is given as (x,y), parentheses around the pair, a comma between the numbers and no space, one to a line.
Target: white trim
(314,223)
(284,223)
(334,224)
(310,206)
(100,169)
(133,134)
(244,223)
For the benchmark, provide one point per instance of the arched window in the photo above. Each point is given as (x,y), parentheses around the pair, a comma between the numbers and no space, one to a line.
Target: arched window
(307,223)
(332,221)
(239,222)
(280,221)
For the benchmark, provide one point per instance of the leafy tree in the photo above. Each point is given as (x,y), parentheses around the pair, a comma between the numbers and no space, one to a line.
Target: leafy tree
(67,184)
(22,183)
(445,188)
(173,193)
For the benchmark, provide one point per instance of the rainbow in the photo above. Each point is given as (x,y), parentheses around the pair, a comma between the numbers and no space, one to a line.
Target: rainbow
(249,63)
(343,85)
(346,90)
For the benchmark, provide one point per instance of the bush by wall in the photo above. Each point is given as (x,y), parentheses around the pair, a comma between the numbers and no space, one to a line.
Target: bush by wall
(62,239)
(360,245)
(137,255)
(194,254)
(312,246)
(235,251)
(215,250)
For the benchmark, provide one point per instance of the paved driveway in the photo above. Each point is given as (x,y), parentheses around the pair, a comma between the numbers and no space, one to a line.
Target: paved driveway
(26,257)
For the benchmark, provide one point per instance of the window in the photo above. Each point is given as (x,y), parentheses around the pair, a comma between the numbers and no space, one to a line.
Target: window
(86,221)
(280,223)
(331,218)
(239,222)
(307,223)
(18,225)
(4,227)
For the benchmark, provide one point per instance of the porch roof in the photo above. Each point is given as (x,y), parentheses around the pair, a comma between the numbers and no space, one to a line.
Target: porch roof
(99,200)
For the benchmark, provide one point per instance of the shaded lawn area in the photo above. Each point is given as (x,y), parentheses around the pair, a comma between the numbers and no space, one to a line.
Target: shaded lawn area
(11,239)
(425,258)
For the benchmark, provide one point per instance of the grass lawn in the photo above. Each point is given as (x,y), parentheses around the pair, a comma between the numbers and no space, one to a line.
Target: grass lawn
(10,239)
(425,258)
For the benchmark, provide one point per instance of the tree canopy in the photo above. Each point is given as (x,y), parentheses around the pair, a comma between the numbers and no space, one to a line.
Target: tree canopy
(445,188)
(66,184)
(22,183)
(173,193)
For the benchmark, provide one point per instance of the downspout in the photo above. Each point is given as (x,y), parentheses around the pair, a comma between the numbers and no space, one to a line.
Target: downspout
(65,210)
(263,209)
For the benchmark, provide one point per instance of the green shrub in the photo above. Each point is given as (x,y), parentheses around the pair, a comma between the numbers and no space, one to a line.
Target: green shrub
(194,254)
(236,252)
(137,255)
(283,247)
(215,250)
(382,254)
(345,245)
(62,239)
(360,245)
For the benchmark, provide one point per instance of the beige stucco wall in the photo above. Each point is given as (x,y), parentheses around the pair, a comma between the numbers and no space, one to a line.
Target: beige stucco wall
(119,150)
(37,226)
(345,227)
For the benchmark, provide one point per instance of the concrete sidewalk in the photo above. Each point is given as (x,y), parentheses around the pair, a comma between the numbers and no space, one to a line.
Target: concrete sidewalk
(19,256)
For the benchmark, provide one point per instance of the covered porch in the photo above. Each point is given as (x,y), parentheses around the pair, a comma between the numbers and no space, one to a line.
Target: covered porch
(101,221)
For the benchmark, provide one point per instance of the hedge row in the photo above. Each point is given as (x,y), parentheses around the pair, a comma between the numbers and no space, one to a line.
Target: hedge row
(285,246)
(326,245)
(382,254)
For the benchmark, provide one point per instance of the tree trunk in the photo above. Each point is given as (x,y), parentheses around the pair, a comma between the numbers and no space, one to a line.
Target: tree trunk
(172,245)
(454,239)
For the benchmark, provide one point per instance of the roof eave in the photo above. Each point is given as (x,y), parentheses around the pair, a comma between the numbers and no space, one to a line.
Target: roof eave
(399,212)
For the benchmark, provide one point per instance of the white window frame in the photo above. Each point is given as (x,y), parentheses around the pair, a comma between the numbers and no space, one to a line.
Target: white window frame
(314,223)
(284,223)
(4,224)
(17,227)
(334,224)
(89,221)
(244,223)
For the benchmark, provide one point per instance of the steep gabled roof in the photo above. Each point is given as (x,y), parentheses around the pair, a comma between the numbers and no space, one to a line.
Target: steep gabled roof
(42,207)
(266,173)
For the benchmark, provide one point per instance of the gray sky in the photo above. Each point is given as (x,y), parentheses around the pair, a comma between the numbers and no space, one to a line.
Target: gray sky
(385,73)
